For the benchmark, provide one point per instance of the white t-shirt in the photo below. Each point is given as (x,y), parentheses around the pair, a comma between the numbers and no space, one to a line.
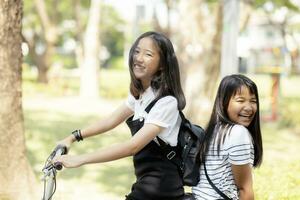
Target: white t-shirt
(164,114)
(238,150)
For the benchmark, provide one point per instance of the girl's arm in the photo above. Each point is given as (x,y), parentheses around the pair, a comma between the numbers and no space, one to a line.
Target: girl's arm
(103,125)
(243,179)
(108,123)
(114,152)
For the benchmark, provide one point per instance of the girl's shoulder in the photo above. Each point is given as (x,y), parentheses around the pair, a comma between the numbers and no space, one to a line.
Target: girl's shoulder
(167,101)
(168,98)
(239,134)
(239,129)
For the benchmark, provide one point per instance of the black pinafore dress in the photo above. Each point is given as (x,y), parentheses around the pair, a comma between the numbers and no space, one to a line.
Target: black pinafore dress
(156,177)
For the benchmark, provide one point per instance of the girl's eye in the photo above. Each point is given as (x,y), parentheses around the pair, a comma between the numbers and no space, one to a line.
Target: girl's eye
(239,100)
(148,54)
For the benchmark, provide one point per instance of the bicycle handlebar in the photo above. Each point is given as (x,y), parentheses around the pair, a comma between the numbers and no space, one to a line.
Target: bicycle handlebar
(49,171)
(58,151)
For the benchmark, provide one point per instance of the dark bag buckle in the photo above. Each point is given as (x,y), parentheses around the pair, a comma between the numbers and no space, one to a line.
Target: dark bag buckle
(171,155)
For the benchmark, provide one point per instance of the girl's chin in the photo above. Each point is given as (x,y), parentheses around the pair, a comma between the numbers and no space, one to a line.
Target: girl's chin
(141,76)
(244,123)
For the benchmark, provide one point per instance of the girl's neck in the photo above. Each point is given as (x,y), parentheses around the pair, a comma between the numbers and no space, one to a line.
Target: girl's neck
(146,89)
(146,84)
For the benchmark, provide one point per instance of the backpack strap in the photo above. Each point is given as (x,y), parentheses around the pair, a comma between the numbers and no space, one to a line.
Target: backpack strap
(214,186)
(170,152)
(182,116)
(149,107)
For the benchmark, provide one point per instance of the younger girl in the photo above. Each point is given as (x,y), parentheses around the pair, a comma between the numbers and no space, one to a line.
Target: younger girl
(154,75)
(233,142)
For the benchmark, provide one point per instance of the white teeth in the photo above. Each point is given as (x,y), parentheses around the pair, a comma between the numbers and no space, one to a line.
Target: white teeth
(138,66)
(248,116)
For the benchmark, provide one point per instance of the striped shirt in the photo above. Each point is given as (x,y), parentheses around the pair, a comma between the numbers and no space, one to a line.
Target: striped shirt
(237,149)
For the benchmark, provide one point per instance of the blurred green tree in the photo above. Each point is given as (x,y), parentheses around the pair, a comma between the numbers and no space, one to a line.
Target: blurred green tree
(286,26)
(44,34)
(68,20)
(112,35)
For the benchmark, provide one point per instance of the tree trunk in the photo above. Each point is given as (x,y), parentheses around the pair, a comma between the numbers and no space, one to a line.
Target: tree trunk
(155,21)
(90,69)
(212,69)
(16,177)
(78,33)
(199,53)
(42,61)
(50,34)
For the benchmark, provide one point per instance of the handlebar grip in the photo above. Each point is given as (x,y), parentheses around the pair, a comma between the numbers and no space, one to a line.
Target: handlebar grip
(58,165)
(58,151)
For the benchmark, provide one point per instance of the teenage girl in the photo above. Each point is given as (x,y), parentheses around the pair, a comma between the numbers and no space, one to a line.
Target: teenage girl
(233,142)
(154,72)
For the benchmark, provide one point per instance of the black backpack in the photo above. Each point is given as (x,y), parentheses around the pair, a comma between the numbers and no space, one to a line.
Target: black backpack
(186,154)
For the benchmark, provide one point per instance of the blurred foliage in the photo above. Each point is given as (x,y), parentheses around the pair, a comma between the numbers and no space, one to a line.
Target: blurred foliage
(259,3)
(113,83)
(55,125)
(288,106)
(62,14)
(277,3)
(278,177)
(111,34)
(117,63)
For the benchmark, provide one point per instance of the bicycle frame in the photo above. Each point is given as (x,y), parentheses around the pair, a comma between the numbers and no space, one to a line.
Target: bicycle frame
(50,184)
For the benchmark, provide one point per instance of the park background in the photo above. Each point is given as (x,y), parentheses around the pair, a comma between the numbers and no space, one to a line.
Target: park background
(74,71)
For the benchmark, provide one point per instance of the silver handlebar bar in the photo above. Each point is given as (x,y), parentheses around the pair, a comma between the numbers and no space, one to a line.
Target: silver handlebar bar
(50,170)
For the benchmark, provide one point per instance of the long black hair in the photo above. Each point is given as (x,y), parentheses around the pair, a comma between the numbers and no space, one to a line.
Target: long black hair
(167,80)
(220,124)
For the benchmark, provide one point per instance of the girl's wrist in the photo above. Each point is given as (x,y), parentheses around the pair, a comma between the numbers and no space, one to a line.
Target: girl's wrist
(71,138)
(82,160)
(77,135)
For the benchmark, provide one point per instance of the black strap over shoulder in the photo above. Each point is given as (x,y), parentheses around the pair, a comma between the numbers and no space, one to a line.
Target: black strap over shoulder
(214,186)
(149,107)
(185,154)
(169,151)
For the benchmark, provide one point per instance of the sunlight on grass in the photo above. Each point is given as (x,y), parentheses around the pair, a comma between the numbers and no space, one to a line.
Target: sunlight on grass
(44,128)
(112,84)
(278,177)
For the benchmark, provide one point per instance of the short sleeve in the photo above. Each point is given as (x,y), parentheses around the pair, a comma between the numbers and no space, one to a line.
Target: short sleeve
(240,146)
(164,113)
(130,102)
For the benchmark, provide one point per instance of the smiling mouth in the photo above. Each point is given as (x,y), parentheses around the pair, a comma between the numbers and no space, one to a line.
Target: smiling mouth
(249,117)
(138,66)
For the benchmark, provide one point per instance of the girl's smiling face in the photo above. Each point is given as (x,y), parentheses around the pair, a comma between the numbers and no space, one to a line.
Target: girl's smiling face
(145,61)
(242,107)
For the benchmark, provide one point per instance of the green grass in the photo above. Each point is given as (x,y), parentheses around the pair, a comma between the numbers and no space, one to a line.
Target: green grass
(45,127)
(112,84)
(277,178)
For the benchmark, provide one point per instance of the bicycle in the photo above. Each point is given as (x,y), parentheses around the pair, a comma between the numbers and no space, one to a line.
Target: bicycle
(50,171)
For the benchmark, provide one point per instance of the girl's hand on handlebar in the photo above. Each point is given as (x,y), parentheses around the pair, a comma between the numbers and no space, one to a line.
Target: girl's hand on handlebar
(67,141)
(69,161)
